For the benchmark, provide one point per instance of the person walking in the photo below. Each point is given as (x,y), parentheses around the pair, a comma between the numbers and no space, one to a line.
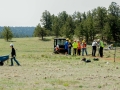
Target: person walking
(79,48)
(13,55)
(84,47)
(94,46)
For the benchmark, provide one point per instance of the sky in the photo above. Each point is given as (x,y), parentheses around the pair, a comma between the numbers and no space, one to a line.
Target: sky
(29,12)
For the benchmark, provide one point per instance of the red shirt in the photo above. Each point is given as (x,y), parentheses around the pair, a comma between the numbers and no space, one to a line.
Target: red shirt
(79,45)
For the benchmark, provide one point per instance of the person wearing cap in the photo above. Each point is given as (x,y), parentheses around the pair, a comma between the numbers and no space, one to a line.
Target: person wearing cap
(78,47)
(94,46)
(74,47)
(69,47)
(13,55)
(66,46)
(84,46)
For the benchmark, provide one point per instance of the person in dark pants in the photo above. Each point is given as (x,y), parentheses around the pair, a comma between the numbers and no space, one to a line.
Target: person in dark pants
(84,47)
(13,55)
(74,47)
(101,47)
(69,47)
(78,48)
(66,46)
(94,46)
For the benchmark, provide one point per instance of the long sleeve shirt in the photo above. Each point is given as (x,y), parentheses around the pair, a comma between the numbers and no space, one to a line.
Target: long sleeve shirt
(13,52)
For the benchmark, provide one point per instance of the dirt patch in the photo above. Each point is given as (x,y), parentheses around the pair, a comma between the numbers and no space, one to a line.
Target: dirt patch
(116,59)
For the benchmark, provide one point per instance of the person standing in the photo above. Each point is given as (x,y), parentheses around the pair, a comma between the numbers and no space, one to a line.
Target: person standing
(79,48)
(74,47)
(94,46)
(13,55)
(84,47)
(101,45)
(66,46)
(69,47)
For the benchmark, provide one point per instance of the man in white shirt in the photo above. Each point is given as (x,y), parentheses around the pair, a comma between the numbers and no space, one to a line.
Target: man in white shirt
(94,46)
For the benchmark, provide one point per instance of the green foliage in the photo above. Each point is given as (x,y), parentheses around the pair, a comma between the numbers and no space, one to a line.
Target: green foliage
(20,31)
(78,31)
(100,19)
(107,32)
(56,27)
(68,28)
(7,33)
(114,20)
(46,20)
(97,23)
(39,31)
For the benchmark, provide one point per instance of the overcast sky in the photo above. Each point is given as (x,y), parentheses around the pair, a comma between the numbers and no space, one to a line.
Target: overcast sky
(29,12)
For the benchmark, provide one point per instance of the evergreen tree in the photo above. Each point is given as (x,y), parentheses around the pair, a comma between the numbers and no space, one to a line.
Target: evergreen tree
(114,20)
(46,20)
(39,31)
(7,33)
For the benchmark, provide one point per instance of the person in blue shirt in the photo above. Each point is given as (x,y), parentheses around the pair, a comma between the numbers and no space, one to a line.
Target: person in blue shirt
(66,46)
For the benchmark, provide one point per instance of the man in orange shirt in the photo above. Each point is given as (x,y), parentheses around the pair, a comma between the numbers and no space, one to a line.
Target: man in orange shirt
(79,48)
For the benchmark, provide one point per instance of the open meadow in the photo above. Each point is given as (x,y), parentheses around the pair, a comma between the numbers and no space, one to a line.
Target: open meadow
(41,69)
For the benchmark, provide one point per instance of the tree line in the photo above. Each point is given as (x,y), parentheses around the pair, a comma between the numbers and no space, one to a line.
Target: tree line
(16,32)
(98,23)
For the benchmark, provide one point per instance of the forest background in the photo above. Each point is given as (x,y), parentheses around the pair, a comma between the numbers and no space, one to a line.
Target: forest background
(99,23)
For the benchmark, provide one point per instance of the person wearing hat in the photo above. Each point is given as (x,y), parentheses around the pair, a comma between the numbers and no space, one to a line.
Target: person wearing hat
(74,47)
(66,46)
(84,47)
(79,47)
(69,47)
(13,55)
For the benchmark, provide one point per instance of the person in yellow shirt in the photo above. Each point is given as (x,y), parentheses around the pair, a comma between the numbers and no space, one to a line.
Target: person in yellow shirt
(74,47)
(101,46)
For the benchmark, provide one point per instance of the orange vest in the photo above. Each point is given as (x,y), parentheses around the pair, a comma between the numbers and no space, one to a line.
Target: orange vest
(79,45)
(83,45)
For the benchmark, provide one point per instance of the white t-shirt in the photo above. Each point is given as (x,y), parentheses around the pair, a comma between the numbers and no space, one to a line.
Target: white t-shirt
(94,43)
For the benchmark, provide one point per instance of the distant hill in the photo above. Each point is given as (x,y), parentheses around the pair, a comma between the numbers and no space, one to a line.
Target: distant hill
(21,31)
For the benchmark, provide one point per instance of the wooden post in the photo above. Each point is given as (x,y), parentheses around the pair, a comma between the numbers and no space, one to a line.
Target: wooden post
(115,52)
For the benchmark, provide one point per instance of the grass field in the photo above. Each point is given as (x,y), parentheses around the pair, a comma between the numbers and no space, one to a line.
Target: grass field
(43,70)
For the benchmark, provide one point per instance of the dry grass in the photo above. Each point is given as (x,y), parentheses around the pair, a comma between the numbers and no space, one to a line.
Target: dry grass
(43,70)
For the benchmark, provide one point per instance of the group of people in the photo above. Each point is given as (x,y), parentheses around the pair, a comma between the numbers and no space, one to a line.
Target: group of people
(79,48)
